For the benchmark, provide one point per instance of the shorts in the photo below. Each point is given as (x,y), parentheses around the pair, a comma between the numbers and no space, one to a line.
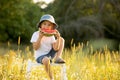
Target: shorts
(50,55)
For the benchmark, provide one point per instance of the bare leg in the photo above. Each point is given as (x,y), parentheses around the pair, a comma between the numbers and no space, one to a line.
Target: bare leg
(59,53)
(46,62)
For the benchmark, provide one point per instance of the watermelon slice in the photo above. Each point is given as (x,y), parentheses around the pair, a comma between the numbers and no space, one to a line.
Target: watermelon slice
(48,32)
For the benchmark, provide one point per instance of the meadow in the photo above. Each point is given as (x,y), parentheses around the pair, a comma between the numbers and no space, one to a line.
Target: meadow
(102,65)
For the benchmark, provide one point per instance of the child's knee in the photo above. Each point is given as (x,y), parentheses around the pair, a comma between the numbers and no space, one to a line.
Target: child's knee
(45,60)
(62,40)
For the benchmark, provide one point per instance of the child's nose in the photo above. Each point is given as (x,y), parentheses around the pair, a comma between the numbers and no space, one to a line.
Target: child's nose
(46,26)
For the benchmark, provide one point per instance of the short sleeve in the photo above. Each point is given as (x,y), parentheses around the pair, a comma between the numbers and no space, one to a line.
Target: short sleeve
(34,37)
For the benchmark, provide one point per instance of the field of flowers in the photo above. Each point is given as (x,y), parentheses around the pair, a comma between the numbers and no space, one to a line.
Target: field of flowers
(104,65)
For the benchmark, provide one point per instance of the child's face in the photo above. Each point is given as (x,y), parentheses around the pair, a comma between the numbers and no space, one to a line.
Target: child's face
(47,25)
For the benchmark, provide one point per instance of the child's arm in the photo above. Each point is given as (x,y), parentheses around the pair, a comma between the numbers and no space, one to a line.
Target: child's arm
(56,45)
(36,44)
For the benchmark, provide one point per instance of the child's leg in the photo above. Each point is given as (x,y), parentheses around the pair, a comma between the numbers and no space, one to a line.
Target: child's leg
(46,62)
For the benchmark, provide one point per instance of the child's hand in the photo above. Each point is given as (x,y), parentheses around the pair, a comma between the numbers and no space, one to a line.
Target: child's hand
(57,34)
(40,34)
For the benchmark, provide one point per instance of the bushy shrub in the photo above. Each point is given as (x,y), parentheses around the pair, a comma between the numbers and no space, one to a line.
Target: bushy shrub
(83,29)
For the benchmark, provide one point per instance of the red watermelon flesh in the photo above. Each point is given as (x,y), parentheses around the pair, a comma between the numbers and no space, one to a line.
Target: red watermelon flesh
(48,32)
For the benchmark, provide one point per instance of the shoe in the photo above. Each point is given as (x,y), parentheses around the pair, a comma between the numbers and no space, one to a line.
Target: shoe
(59,61)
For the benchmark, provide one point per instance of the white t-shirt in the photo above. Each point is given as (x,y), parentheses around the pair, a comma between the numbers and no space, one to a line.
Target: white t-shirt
(46,44)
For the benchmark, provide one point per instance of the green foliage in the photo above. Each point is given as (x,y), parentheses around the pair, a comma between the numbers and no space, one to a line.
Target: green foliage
(18,18)
(100,45)
(80,20)
(83,29)
(83,20)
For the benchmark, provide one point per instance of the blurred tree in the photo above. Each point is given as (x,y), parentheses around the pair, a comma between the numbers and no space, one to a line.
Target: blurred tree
(109,10)
(18,18)
(87,19)
(83,29)
(80,20)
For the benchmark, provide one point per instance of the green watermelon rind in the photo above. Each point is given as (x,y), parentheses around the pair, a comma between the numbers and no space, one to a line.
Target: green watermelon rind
(46,34)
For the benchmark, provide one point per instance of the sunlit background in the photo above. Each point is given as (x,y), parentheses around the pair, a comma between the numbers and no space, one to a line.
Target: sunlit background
(44,5)
(47,1)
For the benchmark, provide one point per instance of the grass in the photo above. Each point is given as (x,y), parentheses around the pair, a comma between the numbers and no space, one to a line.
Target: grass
(103,65)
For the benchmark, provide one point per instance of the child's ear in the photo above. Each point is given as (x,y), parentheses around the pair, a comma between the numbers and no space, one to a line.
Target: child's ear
(39,26)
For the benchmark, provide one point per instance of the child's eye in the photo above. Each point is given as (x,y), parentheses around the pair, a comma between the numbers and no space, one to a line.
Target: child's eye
(44,23)
(49,25)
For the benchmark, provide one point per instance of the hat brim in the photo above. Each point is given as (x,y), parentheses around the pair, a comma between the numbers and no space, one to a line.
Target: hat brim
(39,23)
